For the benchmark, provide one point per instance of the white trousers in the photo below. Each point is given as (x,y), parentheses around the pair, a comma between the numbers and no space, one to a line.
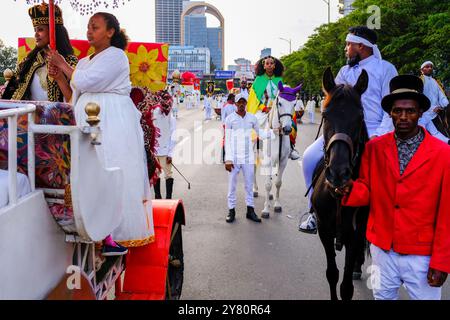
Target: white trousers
(395,270)
(431,128)
(311,158)
(208,113)
(249,173)
(311,116)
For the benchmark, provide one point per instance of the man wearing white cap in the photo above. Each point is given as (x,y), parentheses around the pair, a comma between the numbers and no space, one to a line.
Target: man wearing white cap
(243,89)
(362,53)
(435,93)
(239,155)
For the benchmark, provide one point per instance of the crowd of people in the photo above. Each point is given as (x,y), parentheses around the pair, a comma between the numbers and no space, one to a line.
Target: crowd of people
(409,208)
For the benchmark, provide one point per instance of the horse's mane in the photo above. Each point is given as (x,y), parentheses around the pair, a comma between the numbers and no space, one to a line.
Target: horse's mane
(342,92)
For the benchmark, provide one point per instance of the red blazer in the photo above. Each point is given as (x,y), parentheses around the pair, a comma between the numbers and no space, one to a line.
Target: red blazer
(408,213)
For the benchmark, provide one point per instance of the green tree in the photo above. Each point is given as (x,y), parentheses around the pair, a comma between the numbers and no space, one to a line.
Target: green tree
(8,59)
(411,32)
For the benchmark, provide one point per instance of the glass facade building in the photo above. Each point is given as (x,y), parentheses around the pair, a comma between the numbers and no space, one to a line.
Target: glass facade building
(215,45)
(189,58)
(167,20)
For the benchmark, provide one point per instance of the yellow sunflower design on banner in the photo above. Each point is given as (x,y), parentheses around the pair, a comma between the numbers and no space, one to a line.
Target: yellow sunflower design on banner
(148,66)
(148,61)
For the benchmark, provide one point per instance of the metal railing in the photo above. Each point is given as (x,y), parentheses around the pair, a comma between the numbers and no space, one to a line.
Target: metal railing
(13,111)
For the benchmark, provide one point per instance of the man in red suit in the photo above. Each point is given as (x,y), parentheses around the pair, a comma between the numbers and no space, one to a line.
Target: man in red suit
(405,178)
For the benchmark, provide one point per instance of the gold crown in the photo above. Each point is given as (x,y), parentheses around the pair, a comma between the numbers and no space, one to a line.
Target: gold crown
(39,14)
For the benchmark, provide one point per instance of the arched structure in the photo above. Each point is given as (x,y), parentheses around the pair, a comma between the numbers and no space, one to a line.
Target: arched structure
(208,9)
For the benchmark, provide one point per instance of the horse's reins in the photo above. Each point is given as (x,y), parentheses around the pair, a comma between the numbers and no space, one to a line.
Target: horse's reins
(317,176)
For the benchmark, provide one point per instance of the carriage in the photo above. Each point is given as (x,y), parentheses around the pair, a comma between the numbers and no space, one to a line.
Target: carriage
(63,203)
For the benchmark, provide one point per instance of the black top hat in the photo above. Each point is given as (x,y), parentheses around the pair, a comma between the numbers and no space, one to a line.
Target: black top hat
(405,87)
(39,14)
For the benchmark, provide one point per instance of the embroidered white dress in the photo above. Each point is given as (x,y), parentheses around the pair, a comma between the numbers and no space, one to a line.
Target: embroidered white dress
(105,80)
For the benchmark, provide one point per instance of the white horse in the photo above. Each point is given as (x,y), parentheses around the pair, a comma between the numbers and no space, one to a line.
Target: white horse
(275,153)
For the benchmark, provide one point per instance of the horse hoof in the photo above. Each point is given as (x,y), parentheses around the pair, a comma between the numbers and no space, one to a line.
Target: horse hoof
(357,275)
(271,197)
(277,209)
(265,215)
(255,194)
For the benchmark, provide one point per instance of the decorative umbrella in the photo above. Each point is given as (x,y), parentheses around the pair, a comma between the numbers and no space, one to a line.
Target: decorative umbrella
(77,5)
(188,78)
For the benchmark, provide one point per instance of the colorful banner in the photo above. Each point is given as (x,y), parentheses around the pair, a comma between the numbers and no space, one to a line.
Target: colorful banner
(148,61)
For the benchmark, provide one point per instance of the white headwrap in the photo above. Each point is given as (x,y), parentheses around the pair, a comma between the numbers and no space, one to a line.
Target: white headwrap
(367,43)
(425,64)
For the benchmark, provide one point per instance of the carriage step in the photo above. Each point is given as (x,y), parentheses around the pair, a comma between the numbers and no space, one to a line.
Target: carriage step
(72,238)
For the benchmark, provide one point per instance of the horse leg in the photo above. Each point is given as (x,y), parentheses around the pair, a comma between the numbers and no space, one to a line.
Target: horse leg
(266,211)
(255,183)
(278,183)
(327,239)
(277,204)
(349,240)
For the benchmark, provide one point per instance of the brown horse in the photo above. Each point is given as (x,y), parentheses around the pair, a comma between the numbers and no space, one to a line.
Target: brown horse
(345,135)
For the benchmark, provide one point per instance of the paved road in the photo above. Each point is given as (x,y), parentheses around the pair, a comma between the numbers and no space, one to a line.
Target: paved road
(244,260)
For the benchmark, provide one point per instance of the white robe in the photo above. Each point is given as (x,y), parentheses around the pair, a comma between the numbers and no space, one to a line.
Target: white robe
(105,80)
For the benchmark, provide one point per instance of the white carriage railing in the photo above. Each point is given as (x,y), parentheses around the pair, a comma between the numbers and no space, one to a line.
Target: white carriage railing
(13,111)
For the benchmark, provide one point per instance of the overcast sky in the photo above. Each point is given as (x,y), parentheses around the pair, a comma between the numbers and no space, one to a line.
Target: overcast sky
(250,25)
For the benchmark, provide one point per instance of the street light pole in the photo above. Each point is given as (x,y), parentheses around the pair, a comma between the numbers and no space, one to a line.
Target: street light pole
(328,3)
(290,44)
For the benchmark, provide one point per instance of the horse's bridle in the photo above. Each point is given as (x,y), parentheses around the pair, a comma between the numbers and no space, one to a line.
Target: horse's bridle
(283,114)
(343,137)
(339,137)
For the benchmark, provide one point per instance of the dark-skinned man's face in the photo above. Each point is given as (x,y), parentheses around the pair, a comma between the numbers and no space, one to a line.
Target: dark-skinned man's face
(241,105)
(427,70)
(352,52)
(405,115)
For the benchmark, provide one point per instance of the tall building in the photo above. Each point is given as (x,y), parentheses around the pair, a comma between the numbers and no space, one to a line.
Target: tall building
(189,58)
(345,6)
(196,33)
(215,46)
(168,17)
(194,30)
(266,52)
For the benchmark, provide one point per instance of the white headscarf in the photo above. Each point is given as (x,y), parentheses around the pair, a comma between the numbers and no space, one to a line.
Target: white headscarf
(367,43)
(425,64)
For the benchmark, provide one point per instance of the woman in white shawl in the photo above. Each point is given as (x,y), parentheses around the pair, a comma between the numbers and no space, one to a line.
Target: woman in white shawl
(103,78)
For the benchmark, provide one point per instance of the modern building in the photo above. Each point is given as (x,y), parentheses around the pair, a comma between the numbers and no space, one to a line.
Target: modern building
(266,52)
(194,30)
(189,58)
(196,33)
(243,68)
(345,7)
(167,20)
(214,44)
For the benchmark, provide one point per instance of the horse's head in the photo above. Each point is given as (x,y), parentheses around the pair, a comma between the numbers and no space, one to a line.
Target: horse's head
(343,127)
(286,102)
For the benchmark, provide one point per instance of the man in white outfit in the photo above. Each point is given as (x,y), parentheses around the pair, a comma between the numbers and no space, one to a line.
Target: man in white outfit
(208,107)
(227,109)
(362,53)
(311,108)
(439,101)
(244,89)
(239,155)
(166,123)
